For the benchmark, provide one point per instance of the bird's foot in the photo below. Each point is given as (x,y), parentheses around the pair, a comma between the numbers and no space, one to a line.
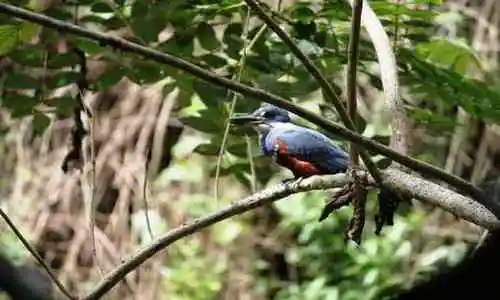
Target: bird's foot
(293,183)
(285,181)
(354,191)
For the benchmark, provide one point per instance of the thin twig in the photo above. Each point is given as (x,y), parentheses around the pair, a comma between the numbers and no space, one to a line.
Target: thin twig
(234,100)
(145,194)
(253,181)
(359,193)
(83,85)
(255,93)
(352,68)
(35,254)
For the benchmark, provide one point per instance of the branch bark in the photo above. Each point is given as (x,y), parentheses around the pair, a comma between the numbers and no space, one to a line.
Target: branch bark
(124,45)
(359,194)
(432,193)
(352,68)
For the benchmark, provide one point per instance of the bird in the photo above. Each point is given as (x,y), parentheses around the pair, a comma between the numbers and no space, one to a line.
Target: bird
(303,151)
(307,152)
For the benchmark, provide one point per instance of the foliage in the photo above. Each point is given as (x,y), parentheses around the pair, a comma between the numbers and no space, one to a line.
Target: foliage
(185,281)
(330,269)
(210,34)
(320,30)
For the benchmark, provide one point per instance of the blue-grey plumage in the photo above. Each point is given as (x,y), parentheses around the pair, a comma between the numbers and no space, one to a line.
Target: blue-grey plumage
(302,150)
(307,145)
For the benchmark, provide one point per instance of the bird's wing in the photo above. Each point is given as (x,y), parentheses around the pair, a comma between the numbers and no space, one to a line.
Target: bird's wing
(310,146)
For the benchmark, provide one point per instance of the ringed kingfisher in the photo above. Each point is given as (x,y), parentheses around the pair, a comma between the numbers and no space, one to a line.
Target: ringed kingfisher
(303,151)
(306,152)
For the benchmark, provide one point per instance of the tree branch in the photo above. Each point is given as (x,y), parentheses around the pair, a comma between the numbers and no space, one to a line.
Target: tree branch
(435,194)
(359,193)
(419,188)
(260,94)
(352,68)
(263,197)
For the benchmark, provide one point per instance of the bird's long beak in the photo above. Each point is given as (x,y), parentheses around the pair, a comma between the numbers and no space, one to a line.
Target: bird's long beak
(246,119)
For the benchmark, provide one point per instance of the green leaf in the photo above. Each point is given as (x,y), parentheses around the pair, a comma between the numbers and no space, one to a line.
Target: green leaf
(302,13)
(59,12)
(144,72)
(148,20)
(92,19)
(202,124)
(40,123)
(259,64)
(62,79)
(207,149)
(239,149)
(232,39)
(206,36)
(260,46)
(114,23)
(20,81)
(110,78)
(139,9)
(335,10)
(305,30)
(61,60)
(240,176)
(213,61)
(147,29)
(88,46)
(64,105)
(181,43)
(102,7)
(31,56)
(211,95)
(8,38)
(20,105)
(449,53)
(27,31)
(168,88)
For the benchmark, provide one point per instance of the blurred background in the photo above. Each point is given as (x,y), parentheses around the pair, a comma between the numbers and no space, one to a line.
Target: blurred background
(154,122)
